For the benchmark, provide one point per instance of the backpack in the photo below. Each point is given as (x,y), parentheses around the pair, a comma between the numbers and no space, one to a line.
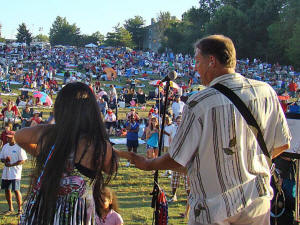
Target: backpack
(161,212)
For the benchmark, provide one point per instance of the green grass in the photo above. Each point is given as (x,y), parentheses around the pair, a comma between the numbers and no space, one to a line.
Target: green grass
(133,188)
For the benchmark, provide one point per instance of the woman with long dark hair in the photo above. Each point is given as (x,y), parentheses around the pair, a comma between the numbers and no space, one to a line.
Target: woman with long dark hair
(68,153)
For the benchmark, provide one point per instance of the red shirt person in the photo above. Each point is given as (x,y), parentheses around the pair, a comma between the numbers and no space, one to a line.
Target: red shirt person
(4,134)
(293,87)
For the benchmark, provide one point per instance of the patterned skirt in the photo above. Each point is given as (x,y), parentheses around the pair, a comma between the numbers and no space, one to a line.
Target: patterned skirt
(74,205)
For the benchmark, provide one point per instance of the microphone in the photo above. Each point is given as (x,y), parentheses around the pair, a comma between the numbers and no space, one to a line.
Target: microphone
(172,75)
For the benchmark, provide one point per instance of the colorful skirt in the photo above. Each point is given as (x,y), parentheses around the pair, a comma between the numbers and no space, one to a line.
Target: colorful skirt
(74,205)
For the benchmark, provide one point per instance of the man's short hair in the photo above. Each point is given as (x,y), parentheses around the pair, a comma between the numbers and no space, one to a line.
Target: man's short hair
(220,47)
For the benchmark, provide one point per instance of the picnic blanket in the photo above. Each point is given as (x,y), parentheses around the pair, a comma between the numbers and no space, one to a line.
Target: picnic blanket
(9,94)
(122,141)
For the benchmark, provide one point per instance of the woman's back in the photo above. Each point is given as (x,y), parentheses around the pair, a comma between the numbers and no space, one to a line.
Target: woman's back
(80,152)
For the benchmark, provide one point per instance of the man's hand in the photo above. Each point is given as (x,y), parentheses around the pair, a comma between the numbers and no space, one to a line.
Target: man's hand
(7,164)
(140,162)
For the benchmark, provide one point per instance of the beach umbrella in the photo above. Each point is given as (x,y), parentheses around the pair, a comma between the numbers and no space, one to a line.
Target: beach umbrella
(44,98)
(110,72)
(159,83)
(193,92)
(101,93)
(198,86)
(155,82)
(283,97)
(172,84)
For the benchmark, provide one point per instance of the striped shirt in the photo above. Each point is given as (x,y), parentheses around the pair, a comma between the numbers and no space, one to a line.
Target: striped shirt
(226,166)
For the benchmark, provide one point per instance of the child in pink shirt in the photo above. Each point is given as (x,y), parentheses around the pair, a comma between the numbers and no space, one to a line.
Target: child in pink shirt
(109,215)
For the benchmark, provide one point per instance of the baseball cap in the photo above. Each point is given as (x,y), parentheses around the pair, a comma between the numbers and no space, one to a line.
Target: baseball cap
(10,134)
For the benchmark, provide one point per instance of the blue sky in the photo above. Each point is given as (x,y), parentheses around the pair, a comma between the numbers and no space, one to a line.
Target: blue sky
(89,15)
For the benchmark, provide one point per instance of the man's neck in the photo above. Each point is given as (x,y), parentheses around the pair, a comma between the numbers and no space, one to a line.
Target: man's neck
(221,72)
(224,71)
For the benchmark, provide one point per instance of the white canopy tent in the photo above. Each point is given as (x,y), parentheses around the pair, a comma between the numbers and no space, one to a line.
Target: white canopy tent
(59,46)
(15,44)
(90,45)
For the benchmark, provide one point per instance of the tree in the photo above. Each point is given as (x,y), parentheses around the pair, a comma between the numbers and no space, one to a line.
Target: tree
(23,34)
(230,22)
(175,36)
(112,39)
(119,38)
(135,26)
(64,33)
(281,31)
(210,6)
(260,16)
(42,38)
(195,20)
(198,17)
(293,50)
(164,21)
(125,38)
(98,38)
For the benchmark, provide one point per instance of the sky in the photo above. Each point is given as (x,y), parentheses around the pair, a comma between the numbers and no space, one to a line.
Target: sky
(89,15)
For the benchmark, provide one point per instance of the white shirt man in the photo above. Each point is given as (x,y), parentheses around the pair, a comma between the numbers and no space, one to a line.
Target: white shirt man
(112,92)
(15,154)
(13,157)
(171,130)
(177,107)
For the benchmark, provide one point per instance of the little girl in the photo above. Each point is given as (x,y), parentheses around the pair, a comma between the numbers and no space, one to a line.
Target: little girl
(109,215)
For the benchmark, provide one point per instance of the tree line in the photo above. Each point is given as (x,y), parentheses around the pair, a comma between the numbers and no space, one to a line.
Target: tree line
(265,29)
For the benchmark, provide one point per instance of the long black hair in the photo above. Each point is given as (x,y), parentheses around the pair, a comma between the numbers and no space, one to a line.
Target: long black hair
(76,115)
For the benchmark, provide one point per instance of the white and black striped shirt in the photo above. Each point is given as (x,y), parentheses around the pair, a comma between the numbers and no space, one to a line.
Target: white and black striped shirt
(226,166)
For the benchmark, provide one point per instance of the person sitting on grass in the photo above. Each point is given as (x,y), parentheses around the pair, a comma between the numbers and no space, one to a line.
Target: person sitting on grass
(9,115)
(110,121)
(109,209)
(36,119)
(26,116)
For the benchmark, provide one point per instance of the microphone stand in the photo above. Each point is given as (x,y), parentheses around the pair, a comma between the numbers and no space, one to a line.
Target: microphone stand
(155,191)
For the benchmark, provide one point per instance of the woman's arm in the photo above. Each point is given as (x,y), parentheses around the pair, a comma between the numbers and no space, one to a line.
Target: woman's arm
(108,160)
(148,133)
(27,138)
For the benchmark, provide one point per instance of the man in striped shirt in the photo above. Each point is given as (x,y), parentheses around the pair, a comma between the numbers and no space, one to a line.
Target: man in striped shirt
(229,174)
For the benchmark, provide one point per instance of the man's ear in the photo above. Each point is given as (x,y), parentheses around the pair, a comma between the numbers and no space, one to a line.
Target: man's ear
(212,60)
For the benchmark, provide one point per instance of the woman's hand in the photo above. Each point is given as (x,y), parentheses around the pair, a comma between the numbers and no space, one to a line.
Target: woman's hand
(123,154)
